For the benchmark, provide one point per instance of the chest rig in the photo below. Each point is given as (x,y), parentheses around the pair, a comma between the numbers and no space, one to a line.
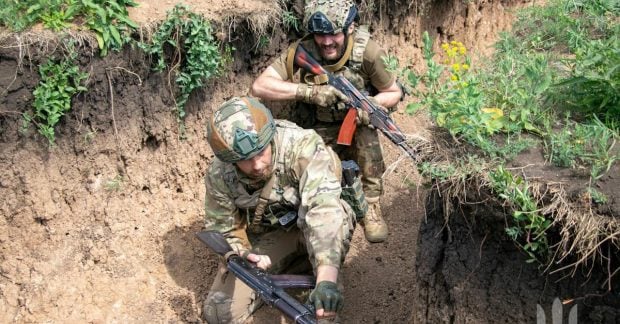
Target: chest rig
(349,64)
(276,203)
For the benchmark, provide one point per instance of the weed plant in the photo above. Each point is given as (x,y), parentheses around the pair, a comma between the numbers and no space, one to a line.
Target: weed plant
(196,53)
(560,59)
(290,21)
(580,145)
(528,227)
(60,81)
(453,94)
(107,19)
(585,39)
(114,184)
(597,196)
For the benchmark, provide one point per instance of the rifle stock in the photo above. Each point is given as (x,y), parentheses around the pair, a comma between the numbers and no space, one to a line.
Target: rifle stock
(269,288)
(357,100)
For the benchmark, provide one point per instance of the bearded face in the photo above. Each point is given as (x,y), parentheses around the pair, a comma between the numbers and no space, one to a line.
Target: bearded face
(330,46)
(258,167)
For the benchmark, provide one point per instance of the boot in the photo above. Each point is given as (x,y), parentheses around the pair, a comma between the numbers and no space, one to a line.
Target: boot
(375,228)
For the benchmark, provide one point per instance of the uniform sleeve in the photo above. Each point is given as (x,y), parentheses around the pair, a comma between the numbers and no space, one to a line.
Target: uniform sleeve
(221,214)
(321,212)
(280,65)
(374,67)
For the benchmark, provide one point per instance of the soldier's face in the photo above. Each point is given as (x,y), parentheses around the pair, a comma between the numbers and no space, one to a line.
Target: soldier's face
(259,166)
(331,46)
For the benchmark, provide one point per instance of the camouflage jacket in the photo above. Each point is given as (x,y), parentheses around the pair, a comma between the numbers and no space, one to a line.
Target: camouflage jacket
(306,181)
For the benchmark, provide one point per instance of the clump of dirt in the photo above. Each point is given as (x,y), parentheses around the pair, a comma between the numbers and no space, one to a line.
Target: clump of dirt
(100,227)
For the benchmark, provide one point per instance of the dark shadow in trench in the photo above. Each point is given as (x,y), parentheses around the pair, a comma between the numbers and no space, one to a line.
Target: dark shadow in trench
(192,266)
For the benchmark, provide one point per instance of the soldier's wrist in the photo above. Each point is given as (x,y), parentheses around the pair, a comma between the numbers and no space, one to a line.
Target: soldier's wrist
(304,92)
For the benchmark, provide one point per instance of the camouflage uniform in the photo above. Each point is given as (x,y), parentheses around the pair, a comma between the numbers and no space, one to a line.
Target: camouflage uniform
(306,180)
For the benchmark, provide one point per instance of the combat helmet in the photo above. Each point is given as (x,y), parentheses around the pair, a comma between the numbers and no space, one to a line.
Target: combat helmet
(329,16)
(240,129)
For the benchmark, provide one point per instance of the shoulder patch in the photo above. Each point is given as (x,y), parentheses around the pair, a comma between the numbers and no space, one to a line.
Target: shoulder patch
(362,36)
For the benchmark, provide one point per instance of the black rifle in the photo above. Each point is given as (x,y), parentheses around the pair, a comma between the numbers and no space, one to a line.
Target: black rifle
(357,100)
(270,288)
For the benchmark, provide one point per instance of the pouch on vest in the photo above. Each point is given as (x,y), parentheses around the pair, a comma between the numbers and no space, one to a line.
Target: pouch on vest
(352,191)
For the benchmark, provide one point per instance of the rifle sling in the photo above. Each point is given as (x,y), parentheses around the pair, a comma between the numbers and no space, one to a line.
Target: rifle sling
(263,199)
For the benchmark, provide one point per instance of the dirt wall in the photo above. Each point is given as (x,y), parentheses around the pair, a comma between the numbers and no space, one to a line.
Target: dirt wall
(469,271)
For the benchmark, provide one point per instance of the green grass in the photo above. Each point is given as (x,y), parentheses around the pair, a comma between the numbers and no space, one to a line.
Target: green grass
(577,145)
(107,19)
(553,82)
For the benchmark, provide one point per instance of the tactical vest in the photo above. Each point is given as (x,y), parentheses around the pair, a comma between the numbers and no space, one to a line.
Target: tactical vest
(352,59)
(276,204)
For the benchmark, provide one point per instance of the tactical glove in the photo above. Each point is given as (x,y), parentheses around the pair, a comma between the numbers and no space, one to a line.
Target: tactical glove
(362,116)
(321,95)
(326,296)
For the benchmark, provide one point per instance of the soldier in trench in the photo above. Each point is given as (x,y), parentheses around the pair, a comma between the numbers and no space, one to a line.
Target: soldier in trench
(264,169)
(344,48)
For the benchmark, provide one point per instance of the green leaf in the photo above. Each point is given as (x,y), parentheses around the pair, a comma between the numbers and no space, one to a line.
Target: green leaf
(115,35)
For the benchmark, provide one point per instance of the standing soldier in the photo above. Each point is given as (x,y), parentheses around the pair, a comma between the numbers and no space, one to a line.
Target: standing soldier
(274,190)
(342,48)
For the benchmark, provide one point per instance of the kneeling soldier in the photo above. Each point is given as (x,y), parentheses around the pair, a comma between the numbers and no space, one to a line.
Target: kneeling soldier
(274,192)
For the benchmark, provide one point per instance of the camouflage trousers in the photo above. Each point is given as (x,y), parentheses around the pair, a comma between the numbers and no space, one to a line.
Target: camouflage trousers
(365,150)
(231,301)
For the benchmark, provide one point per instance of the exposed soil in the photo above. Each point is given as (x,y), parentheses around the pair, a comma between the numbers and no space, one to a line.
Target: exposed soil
(100,228)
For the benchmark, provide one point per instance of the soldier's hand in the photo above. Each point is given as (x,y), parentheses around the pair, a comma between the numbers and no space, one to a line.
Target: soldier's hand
(321,95)
(262,261)
(362,116)
(326,299)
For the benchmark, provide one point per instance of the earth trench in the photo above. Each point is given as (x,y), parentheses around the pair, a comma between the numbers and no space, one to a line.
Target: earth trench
(100,227)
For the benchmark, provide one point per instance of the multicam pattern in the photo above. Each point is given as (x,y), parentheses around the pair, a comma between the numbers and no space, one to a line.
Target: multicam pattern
(247,115)
(306,180)
(335,10)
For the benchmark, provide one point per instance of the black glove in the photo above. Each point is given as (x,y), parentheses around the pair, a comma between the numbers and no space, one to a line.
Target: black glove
(326,296)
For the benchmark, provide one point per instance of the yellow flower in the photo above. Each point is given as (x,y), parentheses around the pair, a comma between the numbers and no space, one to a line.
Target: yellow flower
(462,50)
(465,67)
(445,47)
(456,67)
(454,77)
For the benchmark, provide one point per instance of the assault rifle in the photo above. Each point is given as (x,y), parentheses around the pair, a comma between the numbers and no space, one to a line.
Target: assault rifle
(270,288)
(357,100)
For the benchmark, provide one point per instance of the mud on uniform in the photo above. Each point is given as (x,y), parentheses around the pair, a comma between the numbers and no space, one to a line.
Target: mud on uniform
(306,179)
(365,68)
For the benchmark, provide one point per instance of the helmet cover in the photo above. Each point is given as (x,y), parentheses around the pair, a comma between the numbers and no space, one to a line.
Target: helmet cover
(329,16)
(240,129)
